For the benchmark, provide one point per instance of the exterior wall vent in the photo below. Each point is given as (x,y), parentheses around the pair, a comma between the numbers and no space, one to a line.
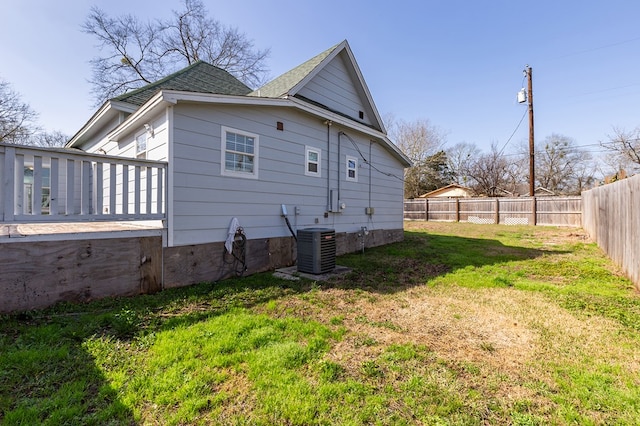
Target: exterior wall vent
(316,250)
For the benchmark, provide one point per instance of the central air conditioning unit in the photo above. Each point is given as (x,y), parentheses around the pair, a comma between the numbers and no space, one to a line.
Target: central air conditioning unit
(316,250)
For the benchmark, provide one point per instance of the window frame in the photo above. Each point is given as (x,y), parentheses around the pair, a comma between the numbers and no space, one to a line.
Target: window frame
(223,151)
(354,168)
(29,182)
(141,155)
(307,161)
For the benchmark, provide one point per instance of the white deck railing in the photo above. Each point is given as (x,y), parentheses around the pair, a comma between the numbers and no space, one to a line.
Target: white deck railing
(57,184)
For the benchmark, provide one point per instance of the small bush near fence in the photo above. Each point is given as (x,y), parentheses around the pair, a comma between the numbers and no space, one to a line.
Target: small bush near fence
(560,211)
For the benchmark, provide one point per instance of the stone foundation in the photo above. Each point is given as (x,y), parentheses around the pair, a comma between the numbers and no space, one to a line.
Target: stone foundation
(38,274)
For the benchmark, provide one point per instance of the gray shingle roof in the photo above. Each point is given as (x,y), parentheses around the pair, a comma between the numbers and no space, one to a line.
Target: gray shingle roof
(287,81)
(199,77)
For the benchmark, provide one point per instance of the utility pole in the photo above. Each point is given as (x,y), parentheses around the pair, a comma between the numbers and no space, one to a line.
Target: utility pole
(532,161)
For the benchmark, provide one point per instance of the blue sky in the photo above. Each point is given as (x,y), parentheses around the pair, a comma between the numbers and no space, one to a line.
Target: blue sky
(456,63)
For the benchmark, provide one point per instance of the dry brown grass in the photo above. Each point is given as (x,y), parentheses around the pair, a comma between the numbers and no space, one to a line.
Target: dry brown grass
(511,338)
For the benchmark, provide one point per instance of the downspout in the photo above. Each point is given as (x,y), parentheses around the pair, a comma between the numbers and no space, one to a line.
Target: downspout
(370,145)
(339,177)
(328,123)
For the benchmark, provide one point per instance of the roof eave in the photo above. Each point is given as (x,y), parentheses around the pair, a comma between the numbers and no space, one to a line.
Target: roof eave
(172,97)
(105,113)
(165,98)
(150,106)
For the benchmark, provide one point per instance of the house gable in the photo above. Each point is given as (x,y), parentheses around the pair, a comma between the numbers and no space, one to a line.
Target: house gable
(331,80)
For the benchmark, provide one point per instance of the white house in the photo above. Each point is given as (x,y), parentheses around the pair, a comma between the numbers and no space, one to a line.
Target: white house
(311,140)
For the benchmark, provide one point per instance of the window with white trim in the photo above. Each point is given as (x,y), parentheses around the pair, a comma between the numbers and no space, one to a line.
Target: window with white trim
(45,185)
(239,153)
(141,145)
(352,169)
(312,163)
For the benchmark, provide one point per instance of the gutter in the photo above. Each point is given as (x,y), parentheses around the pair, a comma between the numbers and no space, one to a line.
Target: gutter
(172,97)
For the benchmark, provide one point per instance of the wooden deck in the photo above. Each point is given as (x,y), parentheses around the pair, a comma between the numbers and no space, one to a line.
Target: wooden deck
(22,232)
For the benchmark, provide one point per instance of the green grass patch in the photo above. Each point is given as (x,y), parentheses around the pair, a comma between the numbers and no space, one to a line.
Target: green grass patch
(536,327)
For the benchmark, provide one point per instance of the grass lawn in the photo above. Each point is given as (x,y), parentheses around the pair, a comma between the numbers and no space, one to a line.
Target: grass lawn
(459,324)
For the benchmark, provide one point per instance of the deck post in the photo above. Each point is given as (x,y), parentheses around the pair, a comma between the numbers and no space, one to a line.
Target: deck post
(98,184)
(8,183)
(54,184)
(71,176)
(19,207)
(85,189)
(36,194)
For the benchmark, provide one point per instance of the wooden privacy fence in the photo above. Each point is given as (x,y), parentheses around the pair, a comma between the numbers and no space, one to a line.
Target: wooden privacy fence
(612,219)
(55,184)
(559,211)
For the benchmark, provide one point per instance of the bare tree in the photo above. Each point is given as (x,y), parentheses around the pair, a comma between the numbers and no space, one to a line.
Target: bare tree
(562,167)
(17,119)
(517,173)
(625,148)
(52,139)
(192,36)
(460,157)
(584,175)
(131,59)
(491,173)
(422,143)
(137,52)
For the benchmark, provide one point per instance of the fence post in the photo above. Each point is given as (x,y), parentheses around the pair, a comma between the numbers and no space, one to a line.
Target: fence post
(426,210)
(457,209)
(534,210)
(497,212)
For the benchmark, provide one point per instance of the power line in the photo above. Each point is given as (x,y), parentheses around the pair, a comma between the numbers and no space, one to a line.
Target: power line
(514,131)
(593,92)
(367,161)
(569,149)
(580,52)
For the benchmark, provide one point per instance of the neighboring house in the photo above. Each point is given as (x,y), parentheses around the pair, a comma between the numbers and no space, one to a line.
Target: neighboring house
(450,191)
(311,140)
(544,192)
(522,190)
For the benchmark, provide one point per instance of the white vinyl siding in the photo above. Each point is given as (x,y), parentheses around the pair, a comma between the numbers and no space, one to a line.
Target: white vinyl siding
(334,87)
(205,201)
(313,162)
(239,153)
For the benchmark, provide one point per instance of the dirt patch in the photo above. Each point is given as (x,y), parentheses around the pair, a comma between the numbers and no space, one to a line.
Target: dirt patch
(502,331)
(394,274)
(465,329)
(564,236)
